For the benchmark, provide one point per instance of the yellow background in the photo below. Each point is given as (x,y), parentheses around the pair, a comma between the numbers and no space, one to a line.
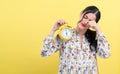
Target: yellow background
(25,23)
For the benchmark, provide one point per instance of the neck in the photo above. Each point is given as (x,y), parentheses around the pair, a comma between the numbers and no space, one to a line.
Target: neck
(80,31)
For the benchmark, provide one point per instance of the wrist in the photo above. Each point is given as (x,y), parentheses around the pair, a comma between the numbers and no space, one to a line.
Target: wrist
(51,33)
(98,31)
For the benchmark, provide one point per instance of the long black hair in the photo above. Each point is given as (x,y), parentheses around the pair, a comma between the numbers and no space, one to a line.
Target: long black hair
(90,34)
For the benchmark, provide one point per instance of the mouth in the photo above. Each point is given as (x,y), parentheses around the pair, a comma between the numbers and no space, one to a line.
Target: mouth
(83,25)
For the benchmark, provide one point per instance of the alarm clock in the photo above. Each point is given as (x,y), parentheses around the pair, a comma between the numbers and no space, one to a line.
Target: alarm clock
(65,32)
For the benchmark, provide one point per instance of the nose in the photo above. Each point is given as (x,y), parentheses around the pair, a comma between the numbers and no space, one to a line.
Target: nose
(86,21)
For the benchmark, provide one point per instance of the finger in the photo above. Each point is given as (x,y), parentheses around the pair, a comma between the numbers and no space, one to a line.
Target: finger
(58,22)
(63,22)
(90,24)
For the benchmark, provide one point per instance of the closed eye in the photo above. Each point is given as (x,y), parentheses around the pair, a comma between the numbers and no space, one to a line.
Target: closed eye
(85,17)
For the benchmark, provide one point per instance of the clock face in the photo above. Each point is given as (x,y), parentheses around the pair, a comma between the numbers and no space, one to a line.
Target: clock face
(66,33)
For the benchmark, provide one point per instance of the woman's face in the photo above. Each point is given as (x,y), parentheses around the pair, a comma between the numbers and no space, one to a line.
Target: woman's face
(84,23)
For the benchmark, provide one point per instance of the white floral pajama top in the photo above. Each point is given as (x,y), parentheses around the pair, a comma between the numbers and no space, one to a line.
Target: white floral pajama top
(76,57)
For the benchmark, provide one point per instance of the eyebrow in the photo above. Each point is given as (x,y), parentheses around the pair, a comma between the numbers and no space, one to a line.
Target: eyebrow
(88,17)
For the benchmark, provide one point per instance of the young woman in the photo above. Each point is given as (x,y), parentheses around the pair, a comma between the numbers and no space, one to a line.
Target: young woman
(78,55)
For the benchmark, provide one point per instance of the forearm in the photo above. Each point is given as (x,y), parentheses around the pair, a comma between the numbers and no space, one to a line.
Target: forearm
(98,30)
(103,46)
(49,46)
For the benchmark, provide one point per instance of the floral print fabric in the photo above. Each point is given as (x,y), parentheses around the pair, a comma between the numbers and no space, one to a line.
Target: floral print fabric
(76,57)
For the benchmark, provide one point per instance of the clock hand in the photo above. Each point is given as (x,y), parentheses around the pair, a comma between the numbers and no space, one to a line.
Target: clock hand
(66,33)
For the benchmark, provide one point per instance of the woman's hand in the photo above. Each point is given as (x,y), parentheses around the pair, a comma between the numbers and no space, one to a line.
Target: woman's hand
(56,26)
(95,26)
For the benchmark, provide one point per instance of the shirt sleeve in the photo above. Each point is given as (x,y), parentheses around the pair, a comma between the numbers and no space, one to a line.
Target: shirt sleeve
(50,45)
(103,47)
